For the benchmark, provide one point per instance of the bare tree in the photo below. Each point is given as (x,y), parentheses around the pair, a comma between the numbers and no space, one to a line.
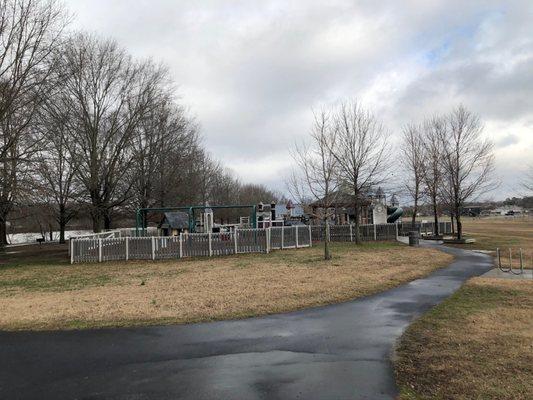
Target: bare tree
(56,171)
(29,33)
(528,179)
(160,139)
(107,94)
(413,163)
(467,160)
(362,152)
(432,171)
(317,175)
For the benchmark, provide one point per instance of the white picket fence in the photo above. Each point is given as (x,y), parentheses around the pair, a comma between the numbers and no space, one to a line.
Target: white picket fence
(114,247)
(124,245)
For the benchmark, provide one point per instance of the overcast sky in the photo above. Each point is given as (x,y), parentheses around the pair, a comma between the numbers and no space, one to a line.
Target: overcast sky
(251,71)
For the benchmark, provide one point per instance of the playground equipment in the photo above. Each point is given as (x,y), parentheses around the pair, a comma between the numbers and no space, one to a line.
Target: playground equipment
(510,269)
(393,213)
(140,217)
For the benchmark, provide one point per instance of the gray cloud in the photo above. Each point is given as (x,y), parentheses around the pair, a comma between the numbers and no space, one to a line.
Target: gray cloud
(251,71)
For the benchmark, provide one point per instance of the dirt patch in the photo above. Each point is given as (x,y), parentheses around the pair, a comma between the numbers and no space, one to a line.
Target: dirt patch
(180,291)
(478,344)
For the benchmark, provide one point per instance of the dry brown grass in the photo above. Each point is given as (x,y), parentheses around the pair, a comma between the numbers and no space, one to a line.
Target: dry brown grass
(138,293)
(491,233)
(478,344)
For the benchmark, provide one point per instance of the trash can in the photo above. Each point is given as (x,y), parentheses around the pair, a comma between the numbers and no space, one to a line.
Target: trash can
(414,238)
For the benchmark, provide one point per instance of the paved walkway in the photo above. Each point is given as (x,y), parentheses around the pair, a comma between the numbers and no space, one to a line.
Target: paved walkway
(335,352)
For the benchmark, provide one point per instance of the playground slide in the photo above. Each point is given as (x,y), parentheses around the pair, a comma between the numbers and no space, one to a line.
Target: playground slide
(393,213)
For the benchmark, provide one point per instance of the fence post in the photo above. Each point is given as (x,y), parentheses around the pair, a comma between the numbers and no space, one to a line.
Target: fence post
(153,248)
(375,234)
(71,247)
(99,250)
(127,248)
(282,236)
(310,236)
(351,232)
(396,225)
(296,234)
(180,254)
(235,239)
(210,245)
(268,240)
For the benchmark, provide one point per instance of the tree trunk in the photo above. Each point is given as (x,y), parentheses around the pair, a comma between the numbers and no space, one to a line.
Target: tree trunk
(453,225)
(97,221)
(415,208)
(327,253)
(3,231)
(107,220)
(436,217)
(356,215)
(62,223)
(459,224)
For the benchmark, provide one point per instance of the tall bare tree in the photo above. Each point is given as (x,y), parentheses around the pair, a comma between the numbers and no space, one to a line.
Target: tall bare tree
(434,129)
(160,140)
(107,94)
(56,170)
(467,160)
(317,177)
(413,163)
(29,33)
(362,152)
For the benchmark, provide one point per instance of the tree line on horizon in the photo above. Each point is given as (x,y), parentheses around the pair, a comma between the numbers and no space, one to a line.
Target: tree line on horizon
(87,128)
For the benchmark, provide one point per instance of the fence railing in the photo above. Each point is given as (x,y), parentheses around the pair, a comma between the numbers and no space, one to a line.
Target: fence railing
(99,248)
(347,233)
(424,228)
(123,245)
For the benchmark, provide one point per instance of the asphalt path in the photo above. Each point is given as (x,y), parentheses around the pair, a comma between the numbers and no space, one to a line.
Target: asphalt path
(340,351)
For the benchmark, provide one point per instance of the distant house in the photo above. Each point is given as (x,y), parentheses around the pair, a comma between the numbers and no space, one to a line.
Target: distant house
(174,223)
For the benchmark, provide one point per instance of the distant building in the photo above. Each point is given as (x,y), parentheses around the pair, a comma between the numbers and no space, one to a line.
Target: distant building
(471,211)
(508,210)
(174,223)
(373,209)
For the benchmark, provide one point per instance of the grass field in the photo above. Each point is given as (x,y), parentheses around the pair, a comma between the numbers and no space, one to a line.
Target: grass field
(491,233)
(59,296)
(478,344)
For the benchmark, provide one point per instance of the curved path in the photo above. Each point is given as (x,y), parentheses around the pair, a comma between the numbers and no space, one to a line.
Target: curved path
(335,352)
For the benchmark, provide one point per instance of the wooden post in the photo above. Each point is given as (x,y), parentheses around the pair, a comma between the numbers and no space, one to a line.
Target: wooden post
(153,248)
(310,237)
(351,232)
(181,245)
(267,235)
(71,247)
(296,234)
(127,248)
(396,225)
(210,245)
(99,250)
(282,236)
(235,239)
(375,233)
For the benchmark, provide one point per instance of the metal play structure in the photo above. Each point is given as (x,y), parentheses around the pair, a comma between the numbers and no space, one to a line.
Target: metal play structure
(509,269)
(140,216)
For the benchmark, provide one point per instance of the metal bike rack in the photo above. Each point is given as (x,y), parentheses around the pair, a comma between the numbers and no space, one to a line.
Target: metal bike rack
(510,269)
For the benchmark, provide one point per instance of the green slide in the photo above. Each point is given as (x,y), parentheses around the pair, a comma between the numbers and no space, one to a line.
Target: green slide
(393,213)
